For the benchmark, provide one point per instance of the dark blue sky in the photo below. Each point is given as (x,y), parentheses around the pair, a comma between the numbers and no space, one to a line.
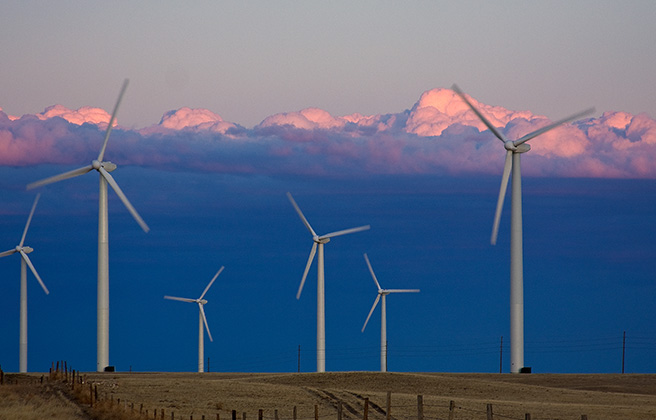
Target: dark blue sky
(588,267)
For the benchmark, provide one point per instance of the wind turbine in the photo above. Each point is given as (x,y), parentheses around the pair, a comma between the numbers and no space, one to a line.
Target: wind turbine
(382,293)
(514,150)
(318,242)
(103,168)
(23,250)
(202,320)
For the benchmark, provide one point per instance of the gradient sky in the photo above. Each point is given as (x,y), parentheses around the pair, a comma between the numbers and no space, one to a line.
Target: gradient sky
(348,106)
(248,60)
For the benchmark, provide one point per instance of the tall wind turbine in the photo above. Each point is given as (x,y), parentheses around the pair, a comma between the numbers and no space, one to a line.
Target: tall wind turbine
(103,168)
(514,149)
(319,242)
(23,250)
(382,293)
(202,320)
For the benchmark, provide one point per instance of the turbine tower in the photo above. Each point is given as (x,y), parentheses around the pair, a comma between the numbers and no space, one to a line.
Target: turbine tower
(318,242)
(202,320)
(103,168)
(382,293)
(23,250)
(514,150)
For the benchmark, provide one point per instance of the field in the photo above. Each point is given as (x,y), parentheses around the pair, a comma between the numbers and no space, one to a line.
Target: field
(544,396)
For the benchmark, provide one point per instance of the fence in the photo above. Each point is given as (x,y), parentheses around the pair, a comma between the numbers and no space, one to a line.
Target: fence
(359,407)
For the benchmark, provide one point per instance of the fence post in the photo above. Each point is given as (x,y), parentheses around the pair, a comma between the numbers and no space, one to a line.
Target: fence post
(90,395)
(366,409)
(527,416)
(420,407)
(260,414)
(584,417)
(275,415)
(316,412)
(294,413)
(489,412)
(243,416)
(452,409)
(234,414)
(340,407)
(388,415)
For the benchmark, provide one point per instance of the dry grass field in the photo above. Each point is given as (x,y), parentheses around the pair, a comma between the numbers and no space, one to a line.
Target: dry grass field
(544,396)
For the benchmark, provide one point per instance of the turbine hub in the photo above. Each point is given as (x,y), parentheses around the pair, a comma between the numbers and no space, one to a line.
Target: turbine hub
(95,164)
(522,148)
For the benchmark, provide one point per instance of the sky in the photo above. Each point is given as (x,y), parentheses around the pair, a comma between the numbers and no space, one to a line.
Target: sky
(348,106)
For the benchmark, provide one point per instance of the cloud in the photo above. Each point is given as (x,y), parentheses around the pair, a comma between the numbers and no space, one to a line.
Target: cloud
(196,119)
(80,116)
(439,135)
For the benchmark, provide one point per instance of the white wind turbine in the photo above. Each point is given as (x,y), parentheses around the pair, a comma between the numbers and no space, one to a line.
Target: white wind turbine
(103,168)
(202,320)
(514,149)
(382,293)
(319,242)
(25,262)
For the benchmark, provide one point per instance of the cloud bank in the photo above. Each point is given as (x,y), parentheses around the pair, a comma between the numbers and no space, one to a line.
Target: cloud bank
(438,135)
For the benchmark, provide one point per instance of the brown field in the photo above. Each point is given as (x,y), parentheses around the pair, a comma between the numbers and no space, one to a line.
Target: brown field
(544,396)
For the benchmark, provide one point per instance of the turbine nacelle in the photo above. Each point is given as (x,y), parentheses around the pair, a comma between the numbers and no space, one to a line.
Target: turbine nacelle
(319,240)
(520,148)
(25,249)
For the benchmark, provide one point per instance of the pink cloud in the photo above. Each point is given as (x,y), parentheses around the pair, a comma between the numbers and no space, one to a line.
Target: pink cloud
(80,116)
(439,134)
(307,119)
(197,119)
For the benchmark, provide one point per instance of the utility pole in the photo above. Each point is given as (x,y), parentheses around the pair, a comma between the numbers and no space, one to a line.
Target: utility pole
(623,349)
(501,356)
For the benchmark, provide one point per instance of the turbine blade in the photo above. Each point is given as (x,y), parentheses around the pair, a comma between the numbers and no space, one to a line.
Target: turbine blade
(507,167)
(60,177)
(207,327)
(29,219)
(402,290)
(371,312)
(487,123)
(300,214)
(371,270)
(6,253)
(124,199)
(552,126)
(307,268)
(211,282)
(29,264)
(180,299)
(111,121)
(345,232)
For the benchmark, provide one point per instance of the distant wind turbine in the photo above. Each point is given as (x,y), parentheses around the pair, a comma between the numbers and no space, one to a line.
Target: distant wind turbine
(514,149)
(319,242)
(25,261)
(103,168)
(382,293)
(202,320)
